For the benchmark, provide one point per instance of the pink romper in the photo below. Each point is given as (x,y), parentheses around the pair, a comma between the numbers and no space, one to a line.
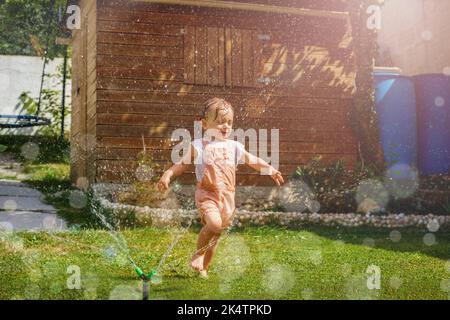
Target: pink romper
(217,178)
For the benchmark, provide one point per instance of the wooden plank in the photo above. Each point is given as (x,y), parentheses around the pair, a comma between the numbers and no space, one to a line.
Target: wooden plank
(119,142)
(311,55)
(140,51)
(236,58)
(200,19)
(154,120)
(91,76)
(91,96)
(198,98)
(239,95)
(139,62)
(88,5)
(258,47)
(163,140)
(140,73)
(91,126)
(233,5)
(113,153)
(278,115)
(63,41)
(91,63)
(285,147)
(125,170)
(247,59)
(142,108)
(294,135)
(213,56)
(228,56)
(81,165)
(303,109)
(221,56)
(140,28)
(183,121)
(201,53)
(139,39)
(189,55)
(92,111)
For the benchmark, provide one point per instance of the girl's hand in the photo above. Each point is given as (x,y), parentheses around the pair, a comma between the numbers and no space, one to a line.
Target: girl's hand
(163,183)
(277,177)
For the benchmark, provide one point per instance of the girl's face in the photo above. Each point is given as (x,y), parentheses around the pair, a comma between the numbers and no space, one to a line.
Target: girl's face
(219,128)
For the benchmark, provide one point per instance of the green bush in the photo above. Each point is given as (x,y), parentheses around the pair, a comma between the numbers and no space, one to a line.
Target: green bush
(52,149)
(333,185)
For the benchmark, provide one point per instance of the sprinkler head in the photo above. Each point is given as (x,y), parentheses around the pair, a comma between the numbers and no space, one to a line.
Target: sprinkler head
(141,274)
(151,274)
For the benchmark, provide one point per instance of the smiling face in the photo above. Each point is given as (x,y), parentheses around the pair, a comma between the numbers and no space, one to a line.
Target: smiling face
(219,128)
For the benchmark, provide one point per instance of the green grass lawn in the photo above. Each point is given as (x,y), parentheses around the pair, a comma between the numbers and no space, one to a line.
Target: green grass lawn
(254,263)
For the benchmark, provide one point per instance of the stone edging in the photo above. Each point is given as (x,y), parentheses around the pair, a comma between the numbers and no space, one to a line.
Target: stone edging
(166,217)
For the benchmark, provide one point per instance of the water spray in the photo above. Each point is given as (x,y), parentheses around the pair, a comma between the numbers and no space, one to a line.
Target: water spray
(146,278)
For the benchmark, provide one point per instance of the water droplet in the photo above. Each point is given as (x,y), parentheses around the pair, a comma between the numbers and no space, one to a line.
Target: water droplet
(433,225)
(82,183)
(446,71)
(144,173)
(447,266)
(77,199)
(10,205)
(156,280)
(50,223)
(30,151)
(401,180)
(6,227)
(371,195)
(429,239)
(427,35)
(124,292)
(346,269)
(395,236)
(445,285)
(316,257)
(110,253)
(278,280)
(395,282)
(439,102)
(369,242)
(32,291)
(307,294)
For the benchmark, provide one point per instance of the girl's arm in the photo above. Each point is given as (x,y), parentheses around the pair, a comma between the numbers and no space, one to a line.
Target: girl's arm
(260,165)
(176,170)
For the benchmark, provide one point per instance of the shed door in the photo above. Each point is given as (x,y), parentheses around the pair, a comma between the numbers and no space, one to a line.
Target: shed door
(221,56)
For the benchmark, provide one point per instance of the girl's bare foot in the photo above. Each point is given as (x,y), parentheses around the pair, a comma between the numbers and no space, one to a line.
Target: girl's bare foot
(203,274)
(197,262)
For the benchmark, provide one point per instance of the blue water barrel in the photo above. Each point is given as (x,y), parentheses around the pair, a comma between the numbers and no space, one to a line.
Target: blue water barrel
(396,109)
(433,115)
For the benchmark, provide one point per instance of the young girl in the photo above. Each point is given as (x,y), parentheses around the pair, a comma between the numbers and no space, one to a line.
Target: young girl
(215,158)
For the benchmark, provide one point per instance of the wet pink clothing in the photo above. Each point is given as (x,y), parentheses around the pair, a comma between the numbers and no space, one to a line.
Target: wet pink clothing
(216,182)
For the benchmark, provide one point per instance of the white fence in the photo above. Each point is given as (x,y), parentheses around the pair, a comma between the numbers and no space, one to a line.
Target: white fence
(20,74)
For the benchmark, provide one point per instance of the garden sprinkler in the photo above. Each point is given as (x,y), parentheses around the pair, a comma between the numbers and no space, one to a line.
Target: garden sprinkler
(144,277)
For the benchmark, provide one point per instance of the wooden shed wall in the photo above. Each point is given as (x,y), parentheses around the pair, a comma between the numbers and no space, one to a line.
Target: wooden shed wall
(146,83)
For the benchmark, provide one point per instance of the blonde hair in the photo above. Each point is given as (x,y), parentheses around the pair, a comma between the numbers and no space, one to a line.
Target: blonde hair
(215,105)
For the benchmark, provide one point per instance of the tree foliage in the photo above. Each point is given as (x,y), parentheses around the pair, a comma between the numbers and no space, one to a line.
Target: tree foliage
(26,26)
